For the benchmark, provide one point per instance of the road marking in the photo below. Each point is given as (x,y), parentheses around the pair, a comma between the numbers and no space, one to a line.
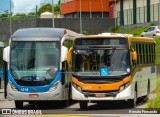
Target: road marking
(62,115)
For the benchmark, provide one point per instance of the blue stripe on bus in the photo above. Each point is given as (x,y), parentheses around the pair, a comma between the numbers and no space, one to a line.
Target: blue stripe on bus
(29,89)
(2,73)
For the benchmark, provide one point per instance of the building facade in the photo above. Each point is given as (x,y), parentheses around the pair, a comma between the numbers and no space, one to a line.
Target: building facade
(87,8)
(129,12)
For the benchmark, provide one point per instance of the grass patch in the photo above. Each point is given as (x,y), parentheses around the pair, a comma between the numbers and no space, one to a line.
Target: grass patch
(6,43)
(134,31)
(155,103)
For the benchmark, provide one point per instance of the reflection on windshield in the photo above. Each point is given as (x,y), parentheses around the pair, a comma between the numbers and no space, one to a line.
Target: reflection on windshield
(34,60)
(89,62)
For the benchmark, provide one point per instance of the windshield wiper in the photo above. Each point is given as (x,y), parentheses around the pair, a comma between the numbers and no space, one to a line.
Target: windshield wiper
(33,78)
(46,79)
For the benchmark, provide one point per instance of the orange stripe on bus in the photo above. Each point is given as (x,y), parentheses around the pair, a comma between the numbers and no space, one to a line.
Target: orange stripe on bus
(101,87)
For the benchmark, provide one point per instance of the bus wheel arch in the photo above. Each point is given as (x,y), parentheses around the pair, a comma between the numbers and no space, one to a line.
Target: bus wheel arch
(133,102)
(83,104)
(18,104)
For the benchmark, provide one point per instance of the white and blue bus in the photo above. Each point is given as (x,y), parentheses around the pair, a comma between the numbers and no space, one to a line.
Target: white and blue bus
(37,65)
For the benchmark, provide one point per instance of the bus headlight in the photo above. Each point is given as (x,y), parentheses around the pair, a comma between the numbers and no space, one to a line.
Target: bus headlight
(13,86)
(77,87)
(54,87)
(121,88)
(124,86)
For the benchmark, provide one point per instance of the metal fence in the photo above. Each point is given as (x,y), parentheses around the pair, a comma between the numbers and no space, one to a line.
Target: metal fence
(141,15)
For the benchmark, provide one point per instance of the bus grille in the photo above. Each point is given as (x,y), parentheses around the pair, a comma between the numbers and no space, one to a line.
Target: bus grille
(105,93)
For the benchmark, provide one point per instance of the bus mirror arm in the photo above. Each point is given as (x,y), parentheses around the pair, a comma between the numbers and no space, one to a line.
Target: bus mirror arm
(64,52)
(6,54)
(69,56)
(134,55)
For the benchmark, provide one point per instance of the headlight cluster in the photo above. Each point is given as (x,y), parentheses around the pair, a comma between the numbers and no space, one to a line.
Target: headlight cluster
(54,87)
(124,86)
(13,86)
(77,87)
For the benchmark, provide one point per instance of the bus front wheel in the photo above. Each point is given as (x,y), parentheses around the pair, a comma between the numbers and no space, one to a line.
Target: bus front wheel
(19,104)
(133,101)
(83,104)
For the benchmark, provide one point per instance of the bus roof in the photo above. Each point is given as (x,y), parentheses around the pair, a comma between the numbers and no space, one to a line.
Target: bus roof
(115,34)
(41,34)
(103,35)
(129,36)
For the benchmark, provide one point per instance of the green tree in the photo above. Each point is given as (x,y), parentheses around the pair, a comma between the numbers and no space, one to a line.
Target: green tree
(31,14)
(48,7)
(5,14)
(44,8)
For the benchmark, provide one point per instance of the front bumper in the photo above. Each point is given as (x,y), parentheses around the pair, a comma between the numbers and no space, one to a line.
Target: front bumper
(58,94)
(124,95)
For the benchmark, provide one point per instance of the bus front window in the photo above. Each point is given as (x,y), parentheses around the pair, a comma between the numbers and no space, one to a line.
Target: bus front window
(89,62)
(34,61)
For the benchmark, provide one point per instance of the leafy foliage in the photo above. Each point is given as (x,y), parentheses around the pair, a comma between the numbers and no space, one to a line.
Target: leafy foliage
(4,15)
(154,103)
(48,7)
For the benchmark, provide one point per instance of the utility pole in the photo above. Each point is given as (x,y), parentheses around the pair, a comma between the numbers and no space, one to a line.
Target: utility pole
(144,13)
(102,7)
(90,7)
(53,12)
(80,16)
(159,13)
(10,23)
(115,14)
(36,11)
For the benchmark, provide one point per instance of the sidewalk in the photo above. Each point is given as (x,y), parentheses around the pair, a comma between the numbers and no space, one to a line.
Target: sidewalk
(1,90)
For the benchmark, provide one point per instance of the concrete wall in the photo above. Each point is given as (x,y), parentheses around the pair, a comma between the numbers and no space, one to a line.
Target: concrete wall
(90,25)
(16,24)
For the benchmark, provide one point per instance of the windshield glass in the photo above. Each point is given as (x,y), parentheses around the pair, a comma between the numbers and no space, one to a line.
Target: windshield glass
(90,62)
(101,56)
(34,60)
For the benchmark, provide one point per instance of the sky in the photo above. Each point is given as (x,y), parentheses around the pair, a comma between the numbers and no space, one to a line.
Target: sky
(22,6)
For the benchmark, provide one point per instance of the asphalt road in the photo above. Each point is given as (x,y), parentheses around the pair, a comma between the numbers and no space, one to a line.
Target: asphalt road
(57,109)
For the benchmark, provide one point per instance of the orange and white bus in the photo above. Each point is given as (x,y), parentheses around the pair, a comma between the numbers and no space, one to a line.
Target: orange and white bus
(112,67)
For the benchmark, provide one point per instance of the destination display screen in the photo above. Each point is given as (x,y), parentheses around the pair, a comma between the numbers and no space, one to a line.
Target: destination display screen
(87,42)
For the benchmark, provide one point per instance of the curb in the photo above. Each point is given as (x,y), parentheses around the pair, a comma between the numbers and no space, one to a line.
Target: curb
(1,90)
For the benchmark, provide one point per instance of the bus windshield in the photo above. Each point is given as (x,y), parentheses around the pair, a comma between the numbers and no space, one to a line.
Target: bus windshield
(92,55)
(89,62)
(34,60)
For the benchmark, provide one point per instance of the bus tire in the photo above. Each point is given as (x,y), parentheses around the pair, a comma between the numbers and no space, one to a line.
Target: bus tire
(148,88)
(83,104)
(133,101)
(19,104)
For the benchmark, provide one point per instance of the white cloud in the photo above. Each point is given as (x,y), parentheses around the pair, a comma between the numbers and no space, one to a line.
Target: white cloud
(23,6)
(26,6)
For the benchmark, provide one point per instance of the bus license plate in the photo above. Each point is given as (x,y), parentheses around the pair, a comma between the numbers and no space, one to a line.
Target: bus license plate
(33,95)
(100,95)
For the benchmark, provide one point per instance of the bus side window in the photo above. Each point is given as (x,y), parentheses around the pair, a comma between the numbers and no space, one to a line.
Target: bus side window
(68,43)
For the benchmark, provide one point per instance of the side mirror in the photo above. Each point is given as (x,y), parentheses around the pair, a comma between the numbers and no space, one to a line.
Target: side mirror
(64,51)
(69,57)
(6,54)
(134,56)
